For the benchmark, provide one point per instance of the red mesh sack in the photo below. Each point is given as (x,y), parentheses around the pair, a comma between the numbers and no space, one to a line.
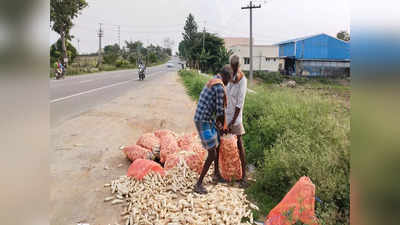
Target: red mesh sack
(134,152)
(163,132)
(192,159)
(229,163)
(141,167)
(298,204)
(168,146)
(151,142)
(186,141)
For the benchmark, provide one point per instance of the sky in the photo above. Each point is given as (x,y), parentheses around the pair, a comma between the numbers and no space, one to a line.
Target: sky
(152,21)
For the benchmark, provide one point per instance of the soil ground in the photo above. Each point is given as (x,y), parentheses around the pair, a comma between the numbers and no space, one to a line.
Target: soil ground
(86,151)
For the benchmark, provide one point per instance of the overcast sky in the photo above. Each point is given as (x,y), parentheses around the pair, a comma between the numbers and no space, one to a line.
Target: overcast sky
(152,21)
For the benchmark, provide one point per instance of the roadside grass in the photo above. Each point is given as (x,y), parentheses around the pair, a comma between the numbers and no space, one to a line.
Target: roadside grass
(292,133)
(89,67)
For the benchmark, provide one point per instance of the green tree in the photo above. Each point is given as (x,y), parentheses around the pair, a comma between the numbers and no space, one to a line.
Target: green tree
(190,28)
(214,55)
(111,53)
(56,52)
(189,39)
(343,35)
(62,13)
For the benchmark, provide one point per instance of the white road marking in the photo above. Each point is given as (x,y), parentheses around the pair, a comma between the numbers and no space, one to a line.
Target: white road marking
(95,89)
(89,91)
(85,81)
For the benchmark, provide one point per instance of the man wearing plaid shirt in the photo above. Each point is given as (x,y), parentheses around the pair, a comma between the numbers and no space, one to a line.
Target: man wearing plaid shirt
(210,120)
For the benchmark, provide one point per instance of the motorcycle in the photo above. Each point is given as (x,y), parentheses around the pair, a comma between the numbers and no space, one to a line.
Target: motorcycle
(59,74)
(142,72)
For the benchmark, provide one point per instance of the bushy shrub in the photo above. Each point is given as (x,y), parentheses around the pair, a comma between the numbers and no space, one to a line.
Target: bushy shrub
(194,82)
(289,136)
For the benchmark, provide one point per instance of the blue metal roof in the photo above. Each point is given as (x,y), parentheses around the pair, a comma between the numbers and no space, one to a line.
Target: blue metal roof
(315,47)
(306,37)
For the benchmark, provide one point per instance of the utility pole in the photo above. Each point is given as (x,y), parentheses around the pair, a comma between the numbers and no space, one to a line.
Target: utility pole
(251,7)
(79,49)
(204,32)
(119,36)
(100,34)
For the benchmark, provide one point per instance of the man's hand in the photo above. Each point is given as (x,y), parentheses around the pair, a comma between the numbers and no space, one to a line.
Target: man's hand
(230,125)
(219,125)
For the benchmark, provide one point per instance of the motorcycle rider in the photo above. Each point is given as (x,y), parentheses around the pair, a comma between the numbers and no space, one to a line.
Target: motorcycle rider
(141,69)
(60,70)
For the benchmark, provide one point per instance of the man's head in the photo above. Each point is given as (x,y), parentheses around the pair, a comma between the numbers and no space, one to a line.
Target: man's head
(226,73)
(235,64)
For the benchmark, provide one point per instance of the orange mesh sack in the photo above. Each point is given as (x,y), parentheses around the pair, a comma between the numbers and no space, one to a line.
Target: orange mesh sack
(202,152)
(151,142)
(168,146)
(229,163)
(141,167)
(192,159)
(163,132)
(134,152)
(298,204)
(185,141)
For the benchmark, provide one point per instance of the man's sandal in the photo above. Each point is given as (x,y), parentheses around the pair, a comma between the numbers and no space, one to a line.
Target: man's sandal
(200,189)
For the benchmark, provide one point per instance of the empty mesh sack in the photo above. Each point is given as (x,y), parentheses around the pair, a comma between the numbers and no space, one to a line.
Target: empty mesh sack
(168,146)
(186,141)
(134,152)
(163,132)
(192,159)
(229,163)
(151,142)
(298,204)
(141,167)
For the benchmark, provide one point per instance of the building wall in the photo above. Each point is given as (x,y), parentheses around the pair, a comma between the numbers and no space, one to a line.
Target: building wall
(265,57)
(322,68)
(232,41)
(286,50)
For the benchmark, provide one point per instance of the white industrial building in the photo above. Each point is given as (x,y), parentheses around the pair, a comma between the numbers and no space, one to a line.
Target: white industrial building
(265,57)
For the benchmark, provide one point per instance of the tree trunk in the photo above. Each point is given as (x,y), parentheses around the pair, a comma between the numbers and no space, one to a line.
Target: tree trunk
(64,48)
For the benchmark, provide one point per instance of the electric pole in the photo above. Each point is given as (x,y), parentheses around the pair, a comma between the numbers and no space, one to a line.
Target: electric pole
(100,34)
(79,49)
(251,7)
(119,36)
(204,32)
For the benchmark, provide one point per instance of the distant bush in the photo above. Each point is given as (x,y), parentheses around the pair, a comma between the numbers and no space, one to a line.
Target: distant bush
(277,78)
(121,63)
(107,67)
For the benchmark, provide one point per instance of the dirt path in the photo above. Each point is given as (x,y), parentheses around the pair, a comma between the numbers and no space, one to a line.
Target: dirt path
(86,151)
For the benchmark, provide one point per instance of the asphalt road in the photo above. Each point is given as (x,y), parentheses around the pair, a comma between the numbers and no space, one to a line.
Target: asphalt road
(74,95)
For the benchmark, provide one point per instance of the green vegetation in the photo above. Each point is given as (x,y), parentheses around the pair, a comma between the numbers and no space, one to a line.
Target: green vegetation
(208,59)
(114,58)
(62,15)
(194,82)
(292,133)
